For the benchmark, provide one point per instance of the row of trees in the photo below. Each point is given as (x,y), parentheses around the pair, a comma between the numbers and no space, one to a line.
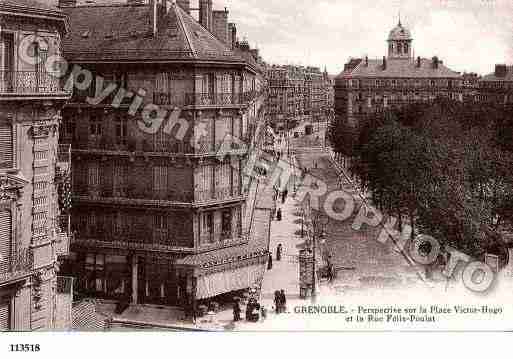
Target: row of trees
(445,167)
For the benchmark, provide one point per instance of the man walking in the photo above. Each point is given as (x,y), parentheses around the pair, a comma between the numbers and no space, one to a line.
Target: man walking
(278,252)
(283,301)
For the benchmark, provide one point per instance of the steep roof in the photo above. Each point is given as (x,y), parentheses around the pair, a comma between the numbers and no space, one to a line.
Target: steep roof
(397,68)
(124,33)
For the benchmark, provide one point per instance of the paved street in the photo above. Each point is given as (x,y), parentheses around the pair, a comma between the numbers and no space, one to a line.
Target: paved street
(363,263)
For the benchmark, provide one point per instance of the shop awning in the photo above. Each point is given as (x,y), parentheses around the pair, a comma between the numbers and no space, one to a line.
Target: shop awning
(214,284)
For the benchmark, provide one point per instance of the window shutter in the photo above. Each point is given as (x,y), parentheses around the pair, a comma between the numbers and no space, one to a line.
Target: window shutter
(5,240)
(4,315)
(6,154)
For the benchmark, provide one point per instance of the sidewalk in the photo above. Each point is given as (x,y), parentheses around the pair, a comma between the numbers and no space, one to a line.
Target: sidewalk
(285,273)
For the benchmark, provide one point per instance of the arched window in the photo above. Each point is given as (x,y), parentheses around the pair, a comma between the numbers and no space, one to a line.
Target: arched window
(406,46)
(399,48)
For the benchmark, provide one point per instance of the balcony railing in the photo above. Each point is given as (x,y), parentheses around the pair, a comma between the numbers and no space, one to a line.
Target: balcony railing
(130,193)
(16,265)
(226,237)
(28,82)
(64,157)
(211,98)
(206,98)
(64,235)
(220,193)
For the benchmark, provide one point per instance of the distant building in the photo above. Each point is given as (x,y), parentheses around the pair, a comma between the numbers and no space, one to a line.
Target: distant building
(297,93)
(33,169)
(368,85)
(159,216)
(497,87)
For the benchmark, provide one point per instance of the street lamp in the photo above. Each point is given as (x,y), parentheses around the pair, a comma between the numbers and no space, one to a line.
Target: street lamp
(319,223)
(302,222)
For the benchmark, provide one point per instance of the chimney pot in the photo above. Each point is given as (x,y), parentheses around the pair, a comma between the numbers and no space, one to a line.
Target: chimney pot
(418,62)
(384,63)
(205,14)
(435,62)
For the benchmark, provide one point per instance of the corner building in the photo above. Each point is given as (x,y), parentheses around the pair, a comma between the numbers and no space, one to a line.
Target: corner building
(159,216)
(33,225)
(367,86)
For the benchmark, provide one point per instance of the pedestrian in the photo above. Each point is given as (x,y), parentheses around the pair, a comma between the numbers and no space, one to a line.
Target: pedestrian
(331,272)
(278,215)
(270,262)
(249,310)
(278,252)
(283,301)
(236,310)
(285,192)
(263,313)
(277,301)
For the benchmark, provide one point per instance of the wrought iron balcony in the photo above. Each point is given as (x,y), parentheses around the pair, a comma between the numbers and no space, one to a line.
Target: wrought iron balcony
(219,194)
(17,265)
(129,194)
(64,235)
(224,238)
(29,82)
(64,158)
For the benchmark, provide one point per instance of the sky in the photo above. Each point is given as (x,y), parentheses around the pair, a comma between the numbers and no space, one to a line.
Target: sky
(468,35)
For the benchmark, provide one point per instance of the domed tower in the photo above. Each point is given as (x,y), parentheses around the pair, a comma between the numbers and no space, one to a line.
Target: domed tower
(399,42)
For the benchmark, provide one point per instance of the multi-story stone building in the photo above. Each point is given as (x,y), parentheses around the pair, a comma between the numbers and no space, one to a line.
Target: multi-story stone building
(497,87)
(159,215)
(369,85)
(297,93)
(33,227)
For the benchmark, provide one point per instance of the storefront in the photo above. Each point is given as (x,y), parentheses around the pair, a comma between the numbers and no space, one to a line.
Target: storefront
(214,284)
(111,276)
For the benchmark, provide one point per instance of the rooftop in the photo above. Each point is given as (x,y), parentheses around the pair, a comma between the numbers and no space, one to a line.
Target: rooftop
(502,73)
(399,33)
(396,68)
(124,33)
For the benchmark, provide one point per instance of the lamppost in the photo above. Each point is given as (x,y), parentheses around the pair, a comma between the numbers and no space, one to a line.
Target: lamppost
(319,223)
(302,222)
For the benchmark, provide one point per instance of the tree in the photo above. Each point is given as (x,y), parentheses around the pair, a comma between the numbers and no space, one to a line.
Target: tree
(444,166)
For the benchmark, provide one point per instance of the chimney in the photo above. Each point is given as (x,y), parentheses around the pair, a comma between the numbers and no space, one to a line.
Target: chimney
(435,62)
(67,3)
(185,5)
(232,33)
(255,53)
(418,62)
(501,70)
(220,26)
(205,14)
(384,63)
(154,17)
(366,61)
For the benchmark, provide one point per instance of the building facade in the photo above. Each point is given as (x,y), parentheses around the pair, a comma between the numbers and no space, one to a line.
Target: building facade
(497,87)
(33,221)
(297,93)
(368,85)
(160,210)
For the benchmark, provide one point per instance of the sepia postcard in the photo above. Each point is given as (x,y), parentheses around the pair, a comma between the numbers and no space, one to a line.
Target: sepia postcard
(255,166)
